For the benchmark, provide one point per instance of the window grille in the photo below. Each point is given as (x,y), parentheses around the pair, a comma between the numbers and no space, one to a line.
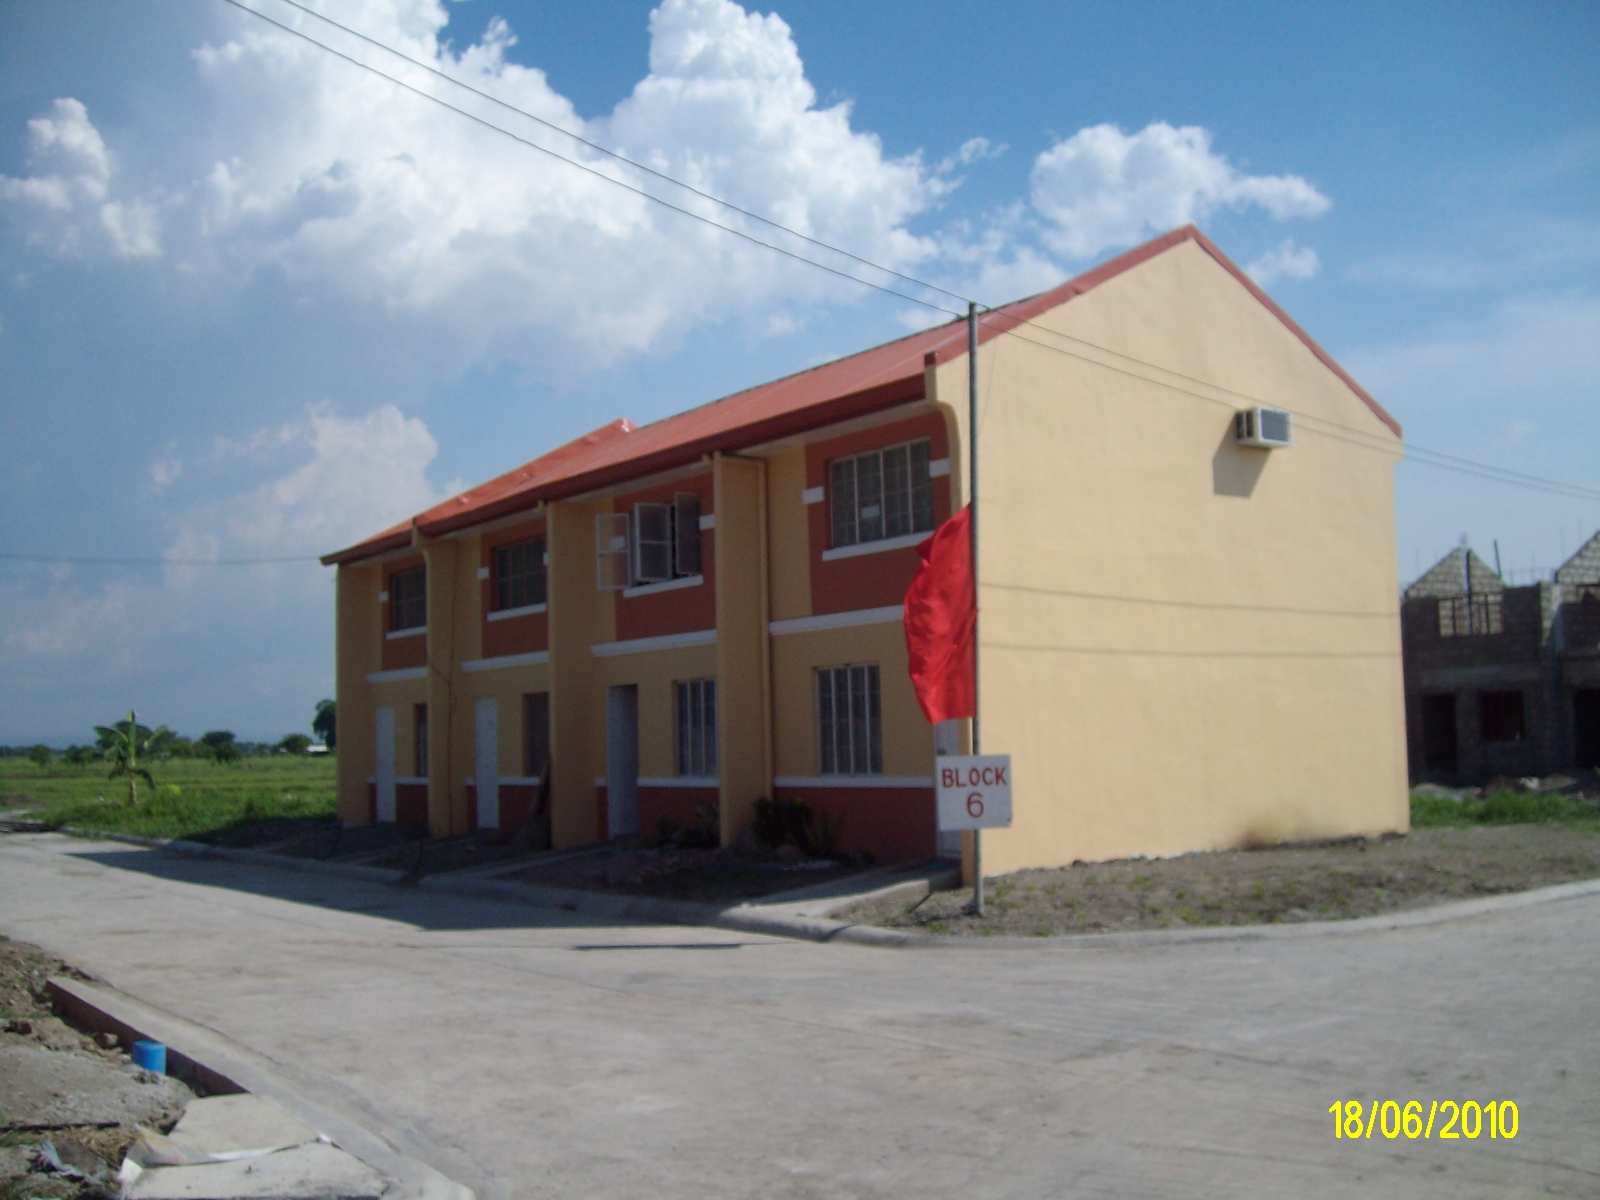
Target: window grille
(697,727)
(1465,616)
(656,543)
(882,494)
(519,579)
(408,599)
(849,720)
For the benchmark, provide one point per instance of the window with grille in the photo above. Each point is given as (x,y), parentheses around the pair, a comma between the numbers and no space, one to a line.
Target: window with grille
(535,732)
(419,739)
(697,727)
(408,599)
(881,494)
(1464,616)
(519,574)
(849,720)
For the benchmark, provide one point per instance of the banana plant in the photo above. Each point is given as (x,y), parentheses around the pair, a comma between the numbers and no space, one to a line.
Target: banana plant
(126,742)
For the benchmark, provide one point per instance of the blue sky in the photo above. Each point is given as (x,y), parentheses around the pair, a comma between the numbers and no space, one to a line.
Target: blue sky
(257,303)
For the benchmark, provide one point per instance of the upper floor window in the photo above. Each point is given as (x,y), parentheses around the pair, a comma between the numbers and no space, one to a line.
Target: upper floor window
(697,727)
(849,720)
(519,574)
(881,494)
(656,543)
(408,599)
(1501,717)
(1462,616)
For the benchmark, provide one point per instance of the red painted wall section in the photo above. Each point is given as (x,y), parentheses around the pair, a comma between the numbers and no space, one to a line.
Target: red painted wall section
(514,635)
(680,610)
(516,802)
(399,653)
(604,822)
(676,804)
(372,803)
(894,824)
(868,580)
(411,806)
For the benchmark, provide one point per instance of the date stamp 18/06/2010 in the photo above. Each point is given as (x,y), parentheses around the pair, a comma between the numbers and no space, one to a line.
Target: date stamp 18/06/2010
(1448,1120)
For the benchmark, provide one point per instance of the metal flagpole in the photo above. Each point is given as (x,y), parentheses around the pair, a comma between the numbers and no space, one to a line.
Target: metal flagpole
(972,520)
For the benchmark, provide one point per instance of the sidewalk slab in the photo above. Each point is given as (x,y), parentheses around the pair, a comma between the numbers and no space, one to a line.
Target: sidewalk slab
(231,1124)
(310,1172)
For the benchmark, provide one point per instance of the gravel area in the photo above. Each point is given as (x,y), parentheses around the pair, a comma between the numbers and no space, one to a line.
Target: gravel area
(1354,877)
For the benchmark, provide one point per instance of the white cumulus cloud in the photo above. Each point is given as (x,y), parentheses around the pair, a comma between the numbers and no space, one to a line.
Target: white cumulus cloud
(69,196)
(1285,261)
(1103,188)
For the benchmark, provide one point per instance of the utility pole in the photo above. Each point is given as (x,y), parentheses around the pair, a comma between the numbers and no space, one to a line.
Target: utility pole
(972,521)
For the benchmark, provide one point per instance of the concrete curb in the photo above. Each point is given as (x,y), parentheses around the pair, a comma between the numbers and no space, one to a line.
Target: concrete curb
(222,1066)
(1416,918)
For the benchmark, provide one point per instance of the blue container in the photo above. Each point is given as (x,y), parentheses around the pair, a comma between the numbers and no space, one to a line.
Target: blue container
(152,1056)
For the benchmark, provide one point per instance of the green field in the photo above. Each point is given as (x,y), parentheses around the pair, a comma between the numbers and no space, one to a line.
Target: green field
(193,798)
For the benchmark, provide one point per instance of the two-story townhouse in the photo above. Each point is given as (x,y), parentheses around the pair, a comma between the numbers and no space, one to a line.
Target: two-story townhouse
(1190,639)
(1502,680)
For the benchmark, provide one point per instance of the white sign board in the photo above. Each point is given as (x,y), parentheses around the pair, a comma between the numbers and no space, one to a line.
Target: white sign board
(974,791)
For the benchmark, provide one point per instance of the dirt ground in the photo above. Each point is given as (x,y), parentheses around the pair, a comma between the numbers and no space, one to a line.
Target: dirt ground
(58,1083)
(1324,881)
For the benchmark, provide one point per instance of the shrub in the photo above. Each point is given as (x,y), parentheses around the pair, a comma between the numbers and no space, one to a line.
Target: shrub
(39,755)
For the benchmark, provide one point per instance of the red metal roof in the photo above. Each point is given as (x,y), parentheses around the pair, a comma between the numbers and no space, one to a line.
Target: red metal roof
(881,377)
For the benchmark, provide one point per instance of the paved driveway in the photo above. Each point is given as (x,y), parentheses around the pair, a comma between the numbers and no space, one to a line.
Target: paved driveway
(530,1053)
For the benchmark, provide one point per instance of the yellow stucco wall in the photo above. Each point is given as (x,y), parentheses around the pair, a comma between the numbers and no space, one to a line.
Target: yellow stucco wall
(1185,644)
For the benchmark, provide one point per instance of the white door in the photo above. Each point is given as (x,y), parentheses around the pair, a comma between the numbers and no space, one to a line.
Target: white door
(622,760)
(385,762)
(486,715)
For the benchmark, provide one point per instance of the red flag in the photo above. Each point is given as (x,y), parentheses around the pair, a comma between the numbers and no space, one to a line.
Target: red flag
(941,617)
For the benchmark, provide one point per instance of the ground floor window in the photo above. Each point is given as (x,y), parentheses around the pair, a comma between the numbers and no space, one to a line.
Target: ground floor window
(1501,717)
(535,732)
(419,739)
(849,720)
(697,727)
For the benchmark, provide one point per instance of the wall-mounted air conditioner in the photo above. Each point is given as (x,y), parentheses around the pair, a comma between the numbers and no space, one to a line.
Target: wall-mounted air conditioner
(1265,427)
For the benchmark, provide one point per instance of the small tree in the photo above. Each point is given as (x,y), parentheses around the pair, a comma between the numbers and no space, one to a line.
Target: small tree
(326,723)
(294,743)
(39,755)
(128,742)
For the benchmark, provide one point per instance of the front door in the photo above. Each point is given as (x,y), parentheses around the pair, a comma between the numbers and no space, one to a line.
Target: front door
(486,721)
(1586,727)
(384,771)
(1439,733)
(622,760)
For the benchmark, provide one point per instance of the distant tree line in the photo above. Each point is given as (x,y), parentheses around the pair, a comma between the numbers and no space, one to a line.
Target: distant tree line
(112,743)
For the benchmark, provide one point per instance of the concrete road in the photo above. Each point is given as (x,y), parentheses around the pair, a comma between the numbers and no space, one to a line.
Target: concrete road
(529,1053)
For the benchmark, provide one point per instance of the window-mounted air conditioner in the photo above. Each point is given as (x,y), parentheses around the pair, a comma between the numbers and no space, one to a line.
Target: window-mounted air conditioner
(1265,427)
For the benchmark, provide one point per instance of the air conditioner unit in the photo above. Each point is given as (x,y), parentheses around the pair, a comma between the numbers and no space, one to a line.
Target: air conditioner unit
(1264,427)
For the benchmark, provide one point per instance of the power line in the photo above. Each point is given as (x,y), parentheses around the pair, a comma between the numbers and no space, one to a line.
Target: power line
(1413,453)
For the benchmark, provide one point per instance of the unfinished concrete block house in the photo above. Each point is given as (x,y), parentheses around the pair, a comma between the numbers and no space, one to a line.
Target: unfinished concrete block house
(1502,680)
(1190,629)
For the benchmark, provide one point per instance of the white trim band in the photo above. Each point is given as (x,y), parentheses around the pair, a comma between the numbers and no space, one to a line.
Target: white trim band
(505,781)
(531,659)
(412,780)
(680,781)
(877,547)
(938,468)
(399,675)
(811,496)
(667,641)
(708,521)
(859,616)
(666,585)
(853,781)
(405,633)
(505,614)
(483,572)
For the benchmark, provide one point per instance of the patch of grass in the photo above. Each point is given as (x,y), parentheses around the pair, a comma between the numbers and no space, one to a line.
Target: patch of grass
(1502,808)
(193,798)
